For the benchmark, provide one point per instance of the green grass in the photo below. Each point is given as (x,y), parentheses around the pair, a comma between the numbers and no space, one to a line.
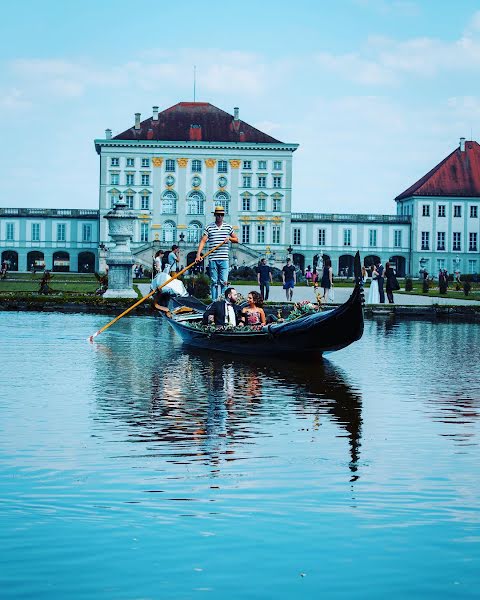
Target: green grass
(58,286)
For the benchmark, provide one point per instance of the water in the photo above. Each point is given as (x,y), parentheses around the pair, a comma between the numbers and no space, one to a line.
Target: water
(133,468)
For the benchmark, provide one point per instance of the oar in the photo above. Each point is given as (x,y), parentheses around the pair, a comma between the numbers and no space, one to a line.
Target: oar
(153,292)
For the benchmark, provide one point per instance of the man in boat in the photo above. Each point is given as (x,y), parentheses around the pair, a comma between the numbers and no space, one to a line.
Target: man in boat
(215,234)
(224,311)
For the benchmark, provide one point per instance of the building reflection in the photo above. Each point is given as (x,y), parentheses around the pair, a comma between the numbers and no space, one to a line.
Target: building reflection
(209,406)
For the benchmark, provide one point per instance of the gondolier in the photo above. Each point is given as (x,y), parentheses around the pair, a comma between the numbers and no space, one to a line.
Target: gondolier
(215,234)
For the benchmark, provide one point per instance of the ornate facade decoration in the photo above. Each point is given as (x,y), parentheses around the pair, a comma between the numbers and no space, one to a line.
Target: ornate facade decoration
(235,163)
(210,162)
(157,161)
(182,162)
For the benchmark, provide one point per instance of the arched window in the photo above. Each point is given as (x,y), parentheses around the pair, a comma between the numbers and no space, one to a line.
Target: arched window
(223,199)
(169,231)
(195,203)
(169,203)
(193,232)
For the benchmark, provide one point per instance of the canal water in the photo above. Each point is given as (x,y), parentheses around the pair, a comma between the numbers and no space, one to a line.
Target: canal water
(133,468)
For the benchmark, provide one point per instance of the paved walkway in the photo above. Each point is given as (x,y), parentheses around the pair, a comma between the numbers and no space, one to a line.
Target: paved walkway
(277,294)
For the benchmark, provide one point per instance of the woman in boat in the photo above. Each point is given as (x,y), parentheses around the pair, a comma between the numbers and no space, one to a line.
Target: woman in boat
(254,313)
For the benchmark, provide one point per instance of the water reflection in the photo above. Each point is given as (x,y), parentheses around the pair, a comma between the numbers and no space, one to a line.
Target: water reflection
(211,408)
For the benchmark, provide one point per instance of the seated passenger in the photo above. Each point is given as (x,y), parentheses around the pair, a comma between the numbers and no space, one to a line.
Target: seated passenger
(224,311)
(254,313)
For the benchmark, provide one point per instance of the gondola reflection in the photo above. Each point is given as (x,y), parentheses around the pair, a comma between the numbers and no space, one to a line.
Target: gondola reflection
(211,405)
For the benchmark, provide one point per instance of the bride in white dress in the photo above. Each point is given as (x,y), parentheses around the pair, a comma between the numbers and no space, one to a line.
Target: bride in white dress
(374,294)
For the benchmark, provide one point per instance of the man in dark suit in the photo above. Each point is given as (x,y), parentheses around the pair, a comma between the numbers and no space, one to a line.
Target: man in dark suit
(380,281)
(224,311)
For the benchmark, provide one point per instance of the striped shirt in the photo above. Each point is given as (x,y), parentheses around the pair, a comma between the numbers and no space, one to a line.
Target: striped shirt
(216,235)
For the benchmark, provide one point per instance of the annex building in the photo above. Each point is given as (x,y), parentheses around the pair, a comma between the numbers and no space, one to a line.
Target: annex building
(173,167)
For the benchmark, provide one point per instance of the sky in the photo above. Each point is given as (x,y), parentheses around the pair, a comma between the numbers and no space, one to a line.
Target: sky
(376,92)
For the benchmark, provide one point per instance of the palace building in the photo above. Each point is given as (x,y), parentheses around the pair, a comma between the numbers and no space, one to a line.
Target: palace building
(173,167)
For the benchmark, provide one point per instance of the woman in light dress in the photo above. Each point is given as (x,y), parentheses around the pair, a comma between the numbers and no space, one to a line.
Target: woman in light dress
(374,294)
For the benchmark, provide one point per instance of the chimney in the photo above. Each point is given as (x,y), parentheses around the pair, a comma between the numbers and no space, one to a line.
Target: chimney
(108,134)
(137,120)
(236,111)
(155,113)
(462,144)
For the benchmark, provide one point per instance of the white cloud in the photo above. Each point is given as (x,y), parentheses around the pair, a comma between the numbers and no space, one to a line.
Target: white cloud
(13,99)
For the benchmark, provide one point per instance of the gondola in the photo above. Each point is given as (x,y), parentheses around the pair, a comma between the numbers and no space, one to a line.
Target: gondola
(314,334)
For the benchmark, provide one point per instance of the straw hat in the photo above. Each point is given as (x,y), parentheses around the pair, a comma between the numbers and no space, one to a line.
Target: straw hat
(219,210)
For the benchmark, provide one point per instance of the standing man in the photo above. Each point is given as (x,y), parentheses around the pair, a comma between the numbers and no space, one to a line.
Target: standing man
(380,281)
(215,234)
(289,277)
(173,260)
(264,278)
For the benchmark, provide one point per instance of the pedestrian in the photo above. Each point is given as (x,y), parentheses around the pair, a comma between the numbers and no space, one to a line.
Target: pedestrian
(289,277)
(4,269)
(215,234)
(157,262)
(327,279)
(308,275)
(315,276)
(264,278)
(392,283)
(173,260)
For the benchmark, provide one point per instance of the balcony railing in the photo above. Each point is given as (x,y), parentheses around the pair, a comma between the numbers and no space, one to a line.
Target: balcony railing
(353,218)
(49,212)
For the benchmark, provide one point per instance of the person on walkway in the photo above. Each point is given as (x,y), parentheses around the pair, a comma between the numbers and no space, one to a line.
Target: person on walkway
(264,278)
(381,281)
(4,269)
(373,294)
(314,276)
(289,277)
(215,234)
(173,260)
(308,275)
(253,314)
(392,283)
(327,279)
(157,262)
(224,311)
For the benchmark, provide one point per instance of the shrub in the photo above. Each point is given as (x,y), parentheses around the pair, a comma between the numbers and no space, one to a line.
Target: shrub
(408,284)
(198,286)
(425,286)
(443,286)
(466,287)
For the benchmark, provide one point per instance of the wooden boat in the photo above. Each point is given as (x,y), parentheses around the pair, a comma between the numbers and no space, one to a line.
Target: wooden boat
(314,334)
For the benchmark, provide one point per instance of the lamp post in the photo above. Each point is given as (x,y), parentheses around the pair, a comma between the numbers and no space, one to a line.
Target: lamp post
(289,252)
(457,268)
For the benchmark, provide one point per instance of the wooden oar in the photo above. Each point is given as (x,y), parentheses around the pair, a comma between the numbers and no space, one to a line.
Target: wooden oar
(153,292)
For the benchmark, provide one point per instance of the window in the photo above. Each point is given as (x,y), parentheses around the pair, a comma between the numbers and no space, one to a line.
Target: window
(35,232)
(170,166)
(145,179)
(114,178)
(169,231)
(457,210)
(347,237)
(86,232)
(245,234)
(196,166)
(472,241)
(426,210)
(222,166)
(144,232)
(130,162)
(474,211)
(61,232)
(262,181)
(440,263)
(113,200)
(223,200)
(262,164)
(277,205)
(372,238)
(472,267)
(114,162)
(297,236)
(440,240)
(169,203)
(247,181)
(321,237)
(246,203)
(145,202)
(277,182)
(457,241)
(441,210)
(425,240)
(397,238)
(145,162)
(130,179)
(262,205)
(10,232)
(129,201)
(276,234)
(277,165)
(193,233)
(195,204)
(247,164)
(260,234)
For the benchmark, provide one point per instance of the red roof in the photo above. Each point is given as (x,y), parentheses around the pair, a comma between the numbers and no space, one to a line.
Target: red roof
(196,121)
(457,175)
